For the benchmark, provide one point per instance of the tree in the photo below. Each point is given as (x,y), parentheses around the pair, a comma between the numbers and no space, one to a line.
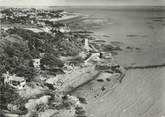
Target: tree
(51,61)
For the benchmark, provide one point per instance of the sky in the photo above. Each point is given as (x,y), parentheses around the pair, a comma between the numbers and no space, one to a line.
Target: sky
(79,2)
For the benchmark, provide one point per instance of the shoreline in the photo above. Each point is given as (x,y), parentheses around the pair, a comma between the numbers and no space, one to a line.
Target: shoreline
(63,19)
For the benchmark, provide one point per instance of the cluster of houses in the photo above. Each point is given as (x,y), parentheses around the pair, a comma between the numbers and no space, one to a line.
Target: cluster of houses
(28,16)
(40,18)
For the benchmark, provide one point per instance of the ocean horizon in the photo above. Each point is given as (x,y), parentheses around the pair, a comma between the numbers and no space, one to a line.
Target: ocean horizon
(117,7)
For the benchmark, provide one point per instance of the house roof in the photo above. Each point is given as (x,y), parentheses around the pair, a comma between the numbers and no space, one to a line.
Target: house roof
(16,78)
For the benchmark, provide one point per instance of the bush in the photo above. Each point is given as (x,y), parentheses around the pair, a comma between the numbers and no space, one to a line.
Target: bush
(8,95)
(44,42)
(51,61)
(16,56)
(69,46)
(15,59)
(25,71)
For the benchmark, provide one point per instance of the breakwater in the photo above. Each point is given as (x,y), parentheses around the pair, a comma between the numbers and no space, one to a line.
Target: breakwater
(144,67)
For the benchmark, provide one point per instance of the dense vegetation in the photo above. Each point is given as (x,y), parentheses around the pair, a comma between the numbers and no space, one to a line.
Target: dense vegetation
(44,42)
(18,47)
(27,16)
(16,56)
(15,59)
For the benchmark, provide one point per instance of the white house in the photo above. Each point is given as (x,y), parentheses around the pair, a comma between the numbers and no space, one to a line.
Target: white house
(86,44)
(64,29)
(14,81)
(36,63)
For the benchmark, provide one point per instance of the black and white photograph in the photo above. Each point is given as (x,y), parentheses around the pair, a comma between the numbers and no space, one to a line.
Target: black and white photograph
(82,58)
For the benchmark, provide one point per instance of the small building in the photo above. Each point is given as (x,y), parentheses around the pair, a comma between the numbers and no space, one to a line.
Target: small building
(5,28)
(106,55)
(86,45)
(46,29)
(32,21)
(14,81)
(64,29)
(36,63)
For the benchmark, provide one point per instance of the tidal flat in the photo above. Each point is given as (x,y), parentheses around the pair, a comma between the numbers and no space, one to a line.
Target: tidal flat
(141,36)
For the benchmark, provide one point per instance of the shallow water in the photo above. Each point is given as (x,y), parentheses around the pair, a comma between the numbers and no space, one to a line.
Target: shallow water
(144,29)
(142,92)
